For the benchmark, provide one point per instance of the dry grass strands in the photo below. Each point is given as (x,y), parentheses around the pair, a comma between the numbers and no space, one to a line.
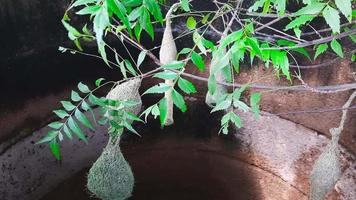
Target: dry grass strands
(326,170)
(212,99)
(167,54)
(111,177)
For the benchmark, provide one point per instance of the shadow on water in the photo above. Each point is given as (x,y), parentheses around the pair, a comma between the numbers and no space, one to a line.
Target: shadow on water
(185,161)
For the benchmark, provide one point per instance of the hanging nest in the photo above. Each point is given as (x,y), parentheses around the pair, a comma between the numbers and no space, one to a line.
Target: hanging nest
(326,170)
(212,99)
(111,177)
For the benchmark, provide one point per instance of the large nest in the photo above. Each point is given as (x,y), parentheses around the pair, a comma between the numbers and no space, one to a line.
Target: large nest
(111,177)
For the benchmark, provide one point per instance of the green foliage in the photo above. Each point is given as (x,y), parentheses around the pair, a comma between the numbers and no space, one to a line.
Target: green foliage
(129,19)
(74,120)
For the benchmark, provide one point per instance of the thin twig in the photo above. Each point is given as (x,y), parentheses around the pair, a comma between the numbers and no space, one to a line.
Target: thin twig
(313,111)
(313,42)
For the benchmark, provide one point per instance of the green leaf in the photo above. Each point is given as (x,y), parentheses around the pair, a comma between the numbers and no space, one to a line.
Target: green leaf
(130,128)
(83,88)
(154,8)
(198,61)
(55,125)
(208,44)
(100,22)
(223,60)
(52,134)
(71,29)
(138,31)
(83,119)
(284,63)
(55,149)
(89,10)
(232,37)
(174,65)
(254,101)
(162,111)
(225,104)
(75,96)
(157,89)
(122,68)
(136,13)
(130,68)
(198,40)
(266,6)
(238,92)
(241,105)
(320,49)
(256,5)
(98,81)
(307,1)
(147,112)
(311,9)
(67,131)
(332,17)
(236,120)
(280,7)
(81,2)
(297,22)
(185,5)
(86,30)
(166,75)
(205,18)
(297,32)
(77,44)
(95,100)
(77,131)
(352,37)
(145,22)
(67,105)
(185,51)
(287,43)
(336,47)
(186,86)
(60,136)
(120,11)
(141,58)
(155,111)
(253,43)
(115,127)
(191,23)
(133,117)
(235,60)
(178,100)
(345,8)
(61,113)
(101,49)
(280,62)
